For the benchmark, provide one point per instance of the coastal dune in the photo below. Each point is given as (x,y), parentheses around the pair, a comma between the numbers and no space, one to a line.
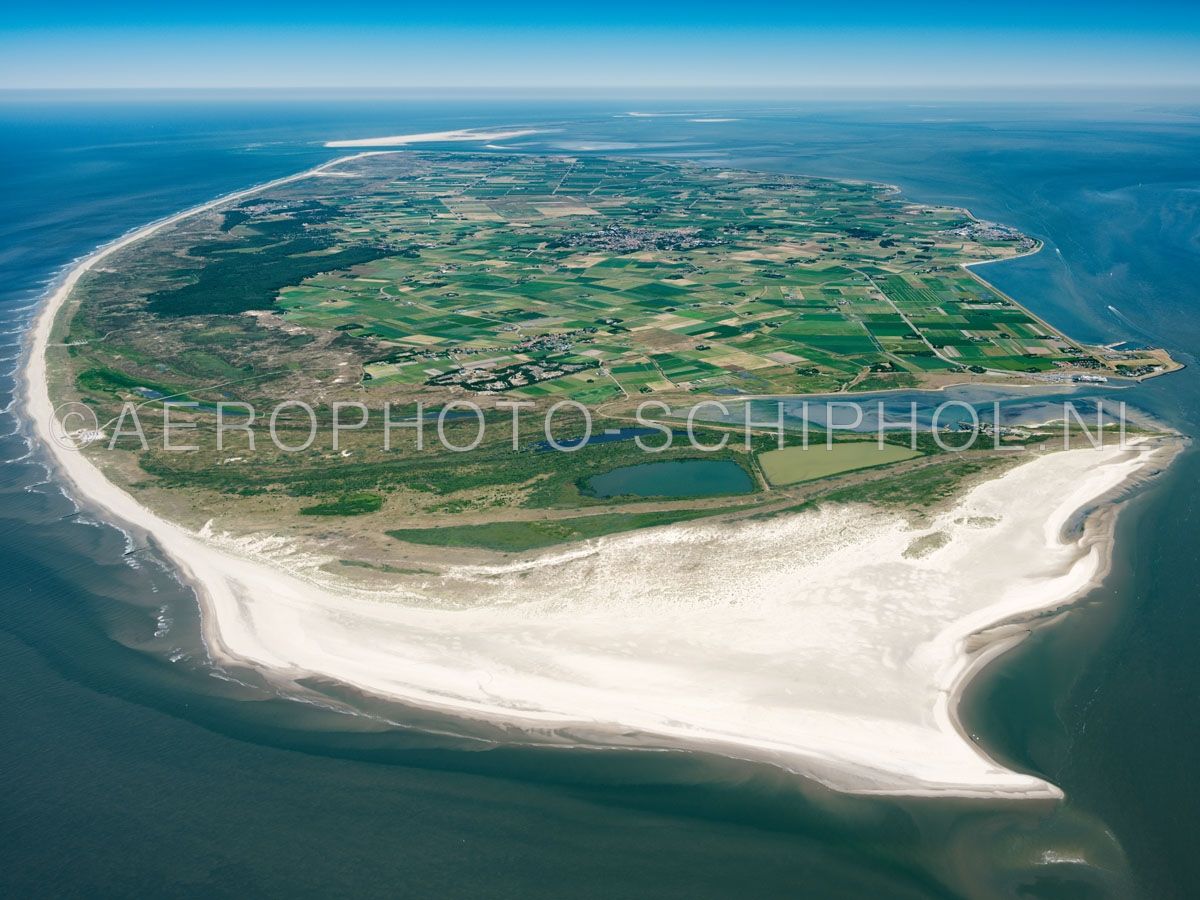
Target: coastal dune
(831,642)
(820,641)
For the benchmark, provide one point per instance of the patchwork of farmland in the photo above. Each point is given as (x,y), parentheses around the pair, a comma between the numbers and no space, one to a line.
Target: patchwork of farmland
(601,278)
(604,280)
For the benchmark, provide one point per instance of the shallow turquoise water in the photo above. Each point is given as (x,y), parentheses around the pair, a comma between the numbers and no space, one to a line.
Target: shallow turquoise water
(131,765)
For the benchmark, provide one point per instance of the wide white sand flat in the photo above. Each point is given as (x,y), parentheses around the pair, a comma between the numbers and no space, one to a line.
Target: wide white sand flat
(820,641)
(436,137)
(811,640)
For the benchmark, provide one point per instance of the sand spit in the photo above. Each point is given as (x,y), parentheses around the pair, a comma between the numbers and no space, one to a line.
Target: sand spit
(815,640)
(439,137)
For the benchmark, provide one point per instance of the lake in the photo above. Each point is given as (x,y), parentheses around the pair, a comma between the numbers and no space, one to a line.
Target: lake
(672,478)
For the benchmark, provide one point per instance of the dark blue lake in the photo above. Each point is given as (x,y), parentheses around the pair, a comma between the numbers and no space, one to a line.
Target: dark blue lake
(672,478)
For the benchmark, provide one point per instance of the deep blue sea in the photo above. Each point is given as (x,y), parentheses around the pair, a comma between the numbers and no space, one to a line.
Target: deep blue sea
(130,767)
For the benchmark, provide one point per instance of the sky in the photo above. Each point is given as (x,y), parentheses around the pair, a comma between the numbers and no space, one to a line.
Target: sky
(600,45)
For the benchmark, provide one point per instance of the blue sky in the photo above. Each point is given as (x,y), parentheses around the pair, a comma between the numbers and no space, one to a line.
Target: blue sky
(598,45)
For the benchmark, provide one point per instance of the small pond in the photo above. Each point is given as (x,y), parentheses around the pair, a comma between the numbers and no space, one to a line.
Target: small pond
(672,478)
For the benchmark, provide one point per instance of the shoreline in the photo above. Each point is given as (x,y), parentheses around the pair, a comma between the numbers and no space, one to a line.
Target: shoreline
(432,137)
(240,589)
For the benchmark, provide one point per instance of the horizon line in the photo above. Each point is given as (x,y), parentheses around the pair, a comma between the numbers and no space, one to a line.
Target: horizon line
(1123,87)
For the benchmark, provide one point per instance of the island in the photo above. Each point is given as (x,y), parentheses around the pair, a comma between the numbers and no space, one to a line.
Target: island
(491,435)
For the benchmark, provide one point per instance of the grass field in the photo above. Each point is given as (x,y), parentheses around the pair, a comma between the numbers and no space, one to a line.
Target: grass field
(791,465)
(515,537)
(353,505)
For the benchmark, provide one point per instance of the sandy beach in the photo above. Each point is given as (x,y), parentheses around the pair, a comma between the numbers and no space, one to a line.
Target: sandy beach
(833,642)
(438,137)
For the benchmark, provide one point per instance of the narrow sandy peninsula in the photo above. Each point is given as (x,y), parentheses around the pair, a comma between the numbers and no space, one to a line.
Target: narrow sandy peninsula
(436,137)
(832,642)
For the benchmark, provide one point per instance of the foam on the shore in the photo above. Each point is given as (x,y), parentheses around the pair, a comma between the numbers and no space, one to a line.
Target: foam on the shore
(818,641)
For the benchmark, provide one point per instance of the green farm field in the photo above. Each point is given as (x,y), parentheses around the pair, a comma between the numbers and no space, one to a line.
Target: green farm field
(791,465)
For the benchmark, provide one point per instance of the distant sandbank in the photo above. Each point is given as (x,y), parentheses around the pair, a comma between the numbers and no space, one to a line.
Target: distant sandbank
(436,137)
